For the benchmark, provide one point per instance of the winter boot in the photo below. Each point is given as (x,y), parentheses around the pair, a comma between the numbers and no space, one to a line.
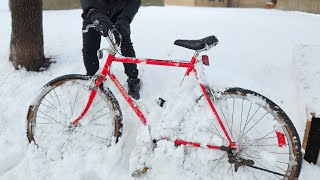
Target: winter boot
(134,88)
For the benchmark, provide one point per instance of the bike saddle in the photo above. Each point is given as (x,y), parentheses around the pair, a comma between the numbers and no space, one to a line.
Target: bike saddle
(197,45)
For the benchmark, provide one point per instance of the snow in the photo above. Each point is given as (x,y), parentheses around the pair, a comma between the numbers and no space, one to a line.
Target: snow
(259,50)
(307,75)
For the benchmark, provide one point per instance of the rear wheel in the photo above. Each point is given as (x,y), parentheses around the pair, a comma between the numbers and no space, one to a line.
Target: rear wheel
(267,143)
(60,102)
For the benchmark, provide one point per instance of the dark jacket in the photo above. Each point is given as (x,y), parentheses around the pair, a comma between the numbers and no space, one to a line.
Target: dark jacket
(116,10)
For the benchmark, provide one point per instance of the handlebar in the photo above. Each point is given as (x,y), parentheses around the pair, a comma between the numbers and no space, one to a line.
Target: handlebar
(114,37)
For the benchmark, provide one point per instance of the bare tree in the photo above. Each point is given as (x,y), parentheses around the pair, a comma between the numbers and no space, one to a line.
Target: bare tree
(26,46)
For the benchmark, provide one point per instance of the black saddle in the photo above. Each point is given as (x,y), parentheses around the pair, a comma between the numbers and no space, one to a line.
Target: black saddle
(197,45)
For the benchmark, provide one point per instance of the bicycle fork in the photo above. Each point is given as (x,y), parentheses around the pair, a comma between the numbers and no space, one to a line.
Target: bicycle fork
(97,83)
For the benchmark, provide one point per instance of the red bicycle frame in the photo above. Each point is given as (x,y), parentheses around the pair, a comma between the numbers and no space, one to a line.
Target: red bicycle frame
(184,64)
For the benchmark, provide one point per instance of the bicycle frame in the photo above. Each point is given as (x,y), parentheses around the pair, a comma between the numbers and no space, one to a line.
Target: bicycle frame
(183,64)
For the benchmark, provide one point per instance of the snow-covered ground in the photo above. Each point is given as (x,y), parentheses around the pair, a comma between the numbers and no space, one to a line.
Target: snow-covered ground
(263,50)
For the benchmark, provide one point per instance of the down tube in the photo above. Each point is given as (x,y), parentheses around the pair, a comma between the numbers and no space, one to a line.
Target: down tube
(128,98)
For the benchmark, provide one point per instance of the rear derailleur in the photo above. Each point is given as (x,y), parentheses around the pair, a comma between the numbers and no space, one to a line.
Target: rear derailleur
(238,161)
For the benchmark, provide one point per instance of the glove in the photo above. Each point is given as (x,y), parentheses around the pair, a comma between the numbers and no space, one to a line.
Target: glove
(123,27)
(103,26)
(100,20)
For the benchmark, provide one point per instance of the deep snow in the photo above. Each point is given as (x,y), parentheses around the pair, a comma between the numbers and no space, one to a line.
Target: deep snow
(258,50)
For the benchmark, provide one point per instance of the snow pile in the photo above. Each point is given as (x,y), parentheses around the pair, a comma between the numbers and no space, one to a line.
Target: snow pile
(306,62)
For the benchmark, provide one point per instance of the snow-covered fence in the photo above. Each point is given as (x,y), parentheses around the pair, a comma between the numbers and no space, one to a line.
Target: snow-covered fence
(306,60)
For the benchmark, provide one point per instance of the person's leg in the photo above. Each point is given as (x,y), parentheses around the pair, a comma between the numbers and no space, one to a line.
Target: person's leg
(130,69)
(91,44)
(128,51)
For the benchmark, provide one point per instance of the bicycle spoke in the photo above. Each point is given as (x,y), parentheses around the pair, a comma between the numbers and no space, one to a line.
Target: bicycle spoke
(220,160)
(281,169)
(54,90)
(278,153)
(48,116)
(99,124)
(256,123)
(266,169)
(96,104)
(225,119)
(256,141)
(44,123)
(96,136)
(217,134)
(264,138)
(241,114)
(260,139)
(232,119)
(232,172)
(49,106)
(229,169)
(50,103)
(99,117)
(283,162)
(244,155)
(259,157)
(247,117)
(74,103)
(247,124)
(44,118)
(66,142)
(250,172)
(268,145)
(101,110)
(253,115)
(251,128)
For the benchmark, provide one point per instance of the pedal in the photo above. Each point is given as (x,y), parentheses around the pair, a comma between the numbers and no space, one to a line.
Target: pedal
(139,173)
(161,102)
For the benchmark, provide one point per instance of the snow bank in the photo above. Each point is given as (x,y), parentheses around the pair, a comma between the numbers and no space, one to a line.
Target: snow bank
(306,62)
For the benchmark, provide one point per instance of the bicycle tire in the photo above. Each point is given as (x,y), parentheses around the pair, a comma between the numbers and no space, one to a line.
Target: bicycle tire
(274,146)
(49,109)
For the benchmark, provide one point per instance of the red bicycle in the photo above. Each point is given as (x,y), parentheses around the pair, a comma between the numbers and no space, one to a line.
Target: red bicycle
(240,131)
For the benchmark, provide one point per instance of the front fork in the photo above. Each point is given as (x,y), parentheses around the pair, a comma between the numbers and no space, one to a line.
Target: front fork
(93,86)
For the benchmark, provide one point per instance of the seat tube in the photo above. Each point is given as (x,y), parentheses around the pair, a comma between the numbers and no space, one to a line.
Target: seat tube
(192,63)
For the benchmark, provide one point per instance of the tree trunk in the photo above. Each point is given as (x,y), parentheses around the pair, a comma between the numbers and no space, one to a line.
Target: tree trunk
(26,46)
(229,3)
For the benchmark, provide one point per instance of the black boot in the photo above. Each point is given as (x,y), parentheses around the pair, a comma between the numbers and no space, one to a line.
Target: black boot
(134,88)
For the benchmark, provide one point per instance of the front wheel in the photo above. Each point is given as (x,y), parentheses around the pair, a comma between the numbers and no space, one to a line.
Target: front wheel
(59,103)
(267,145)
